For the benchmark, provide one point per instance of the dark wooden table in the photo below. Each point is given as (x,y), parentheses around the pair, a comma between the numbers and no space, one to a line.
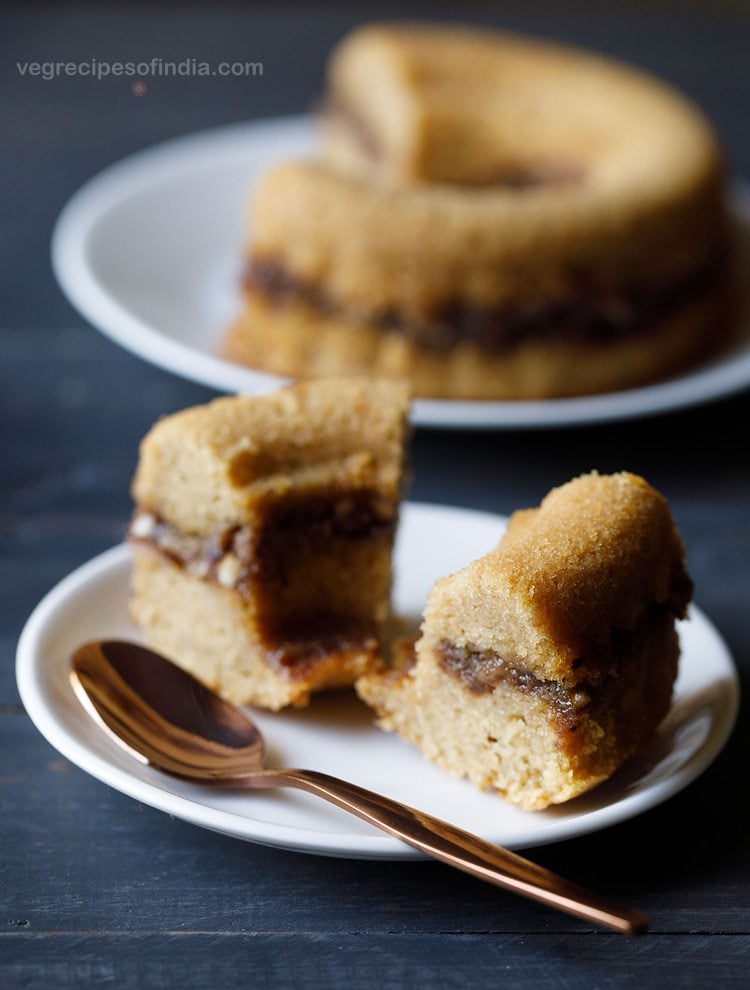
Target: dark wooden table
(99,890)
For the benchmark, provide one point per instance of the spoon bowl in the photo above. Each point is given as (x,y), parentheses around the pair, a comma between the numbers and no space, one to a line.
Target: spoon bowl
(164,717)
(163,714)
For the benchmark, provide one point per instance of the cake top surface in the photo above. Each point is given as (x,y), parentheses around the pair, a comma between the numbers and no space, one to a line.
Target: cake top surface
(208,466)
(412,76)
(597,556)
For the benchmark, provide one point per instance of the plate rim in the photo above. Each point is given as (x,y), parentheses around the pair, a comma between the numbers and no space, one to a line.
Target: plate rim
(86,207)
(29,675)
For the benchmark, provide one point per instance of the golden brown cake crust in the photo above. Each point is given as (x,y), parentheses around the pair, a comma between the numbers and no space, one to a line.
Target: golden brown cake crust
(416,249)
(545,664)
(535,222)
(649,204)
(263,536)
(452,104)
(208,466)
(595,556)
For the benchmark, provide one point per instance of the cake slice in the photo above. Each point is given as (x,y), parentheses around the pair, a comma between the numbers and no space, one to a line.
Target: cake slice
(263,533)
(545,664)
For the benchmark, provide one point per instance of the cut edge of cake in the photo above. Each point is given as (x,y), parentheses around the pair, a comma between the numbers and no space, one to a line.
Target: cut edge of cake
(263,537)
(591,671)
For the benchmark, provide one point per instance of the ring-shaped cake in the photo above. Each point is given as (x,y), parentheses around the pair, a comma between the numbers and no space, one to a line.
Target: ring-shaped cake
(490,217)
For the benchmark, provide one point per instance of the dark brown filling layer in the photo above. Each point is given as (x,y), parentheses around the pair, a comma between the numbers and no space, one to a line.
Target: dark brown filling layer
(201,555)
(240,552)
(312,640)
(588,315)
(481,671)
(255,561)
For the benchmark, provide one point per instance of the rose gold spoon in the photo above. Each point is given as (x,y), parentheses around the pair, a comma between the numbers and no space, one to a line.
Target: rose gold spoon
(163,716)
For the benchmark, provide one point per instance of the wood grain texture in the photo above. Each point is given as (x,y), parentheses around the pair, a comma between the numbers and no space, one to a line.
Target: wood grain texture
(389,962)
(87,858)
(100,890)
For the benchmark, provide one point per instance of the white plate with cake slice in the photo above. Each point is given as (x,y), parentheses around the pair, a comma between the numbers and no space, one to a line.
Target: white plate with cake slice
(151,251)
(336,733)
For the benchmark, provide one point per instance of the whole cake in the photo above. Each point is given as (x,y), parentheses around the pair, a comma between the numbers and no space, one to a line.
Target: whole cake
(263,533)
(493,218)
(545,664)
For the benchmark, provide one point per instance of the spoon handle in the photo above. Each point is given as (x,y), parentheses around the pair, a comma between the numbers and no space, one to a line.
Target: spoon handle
(457,848)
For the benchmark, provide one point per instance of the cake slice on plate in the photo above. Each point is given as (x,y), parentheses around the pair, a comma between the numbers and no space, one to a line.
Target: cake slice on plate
(263,534)
(545,664)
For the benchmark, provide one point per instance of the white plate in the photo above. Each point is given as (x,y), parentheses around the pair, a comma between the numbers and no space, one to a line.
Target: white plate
(336,734)
(150,251)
